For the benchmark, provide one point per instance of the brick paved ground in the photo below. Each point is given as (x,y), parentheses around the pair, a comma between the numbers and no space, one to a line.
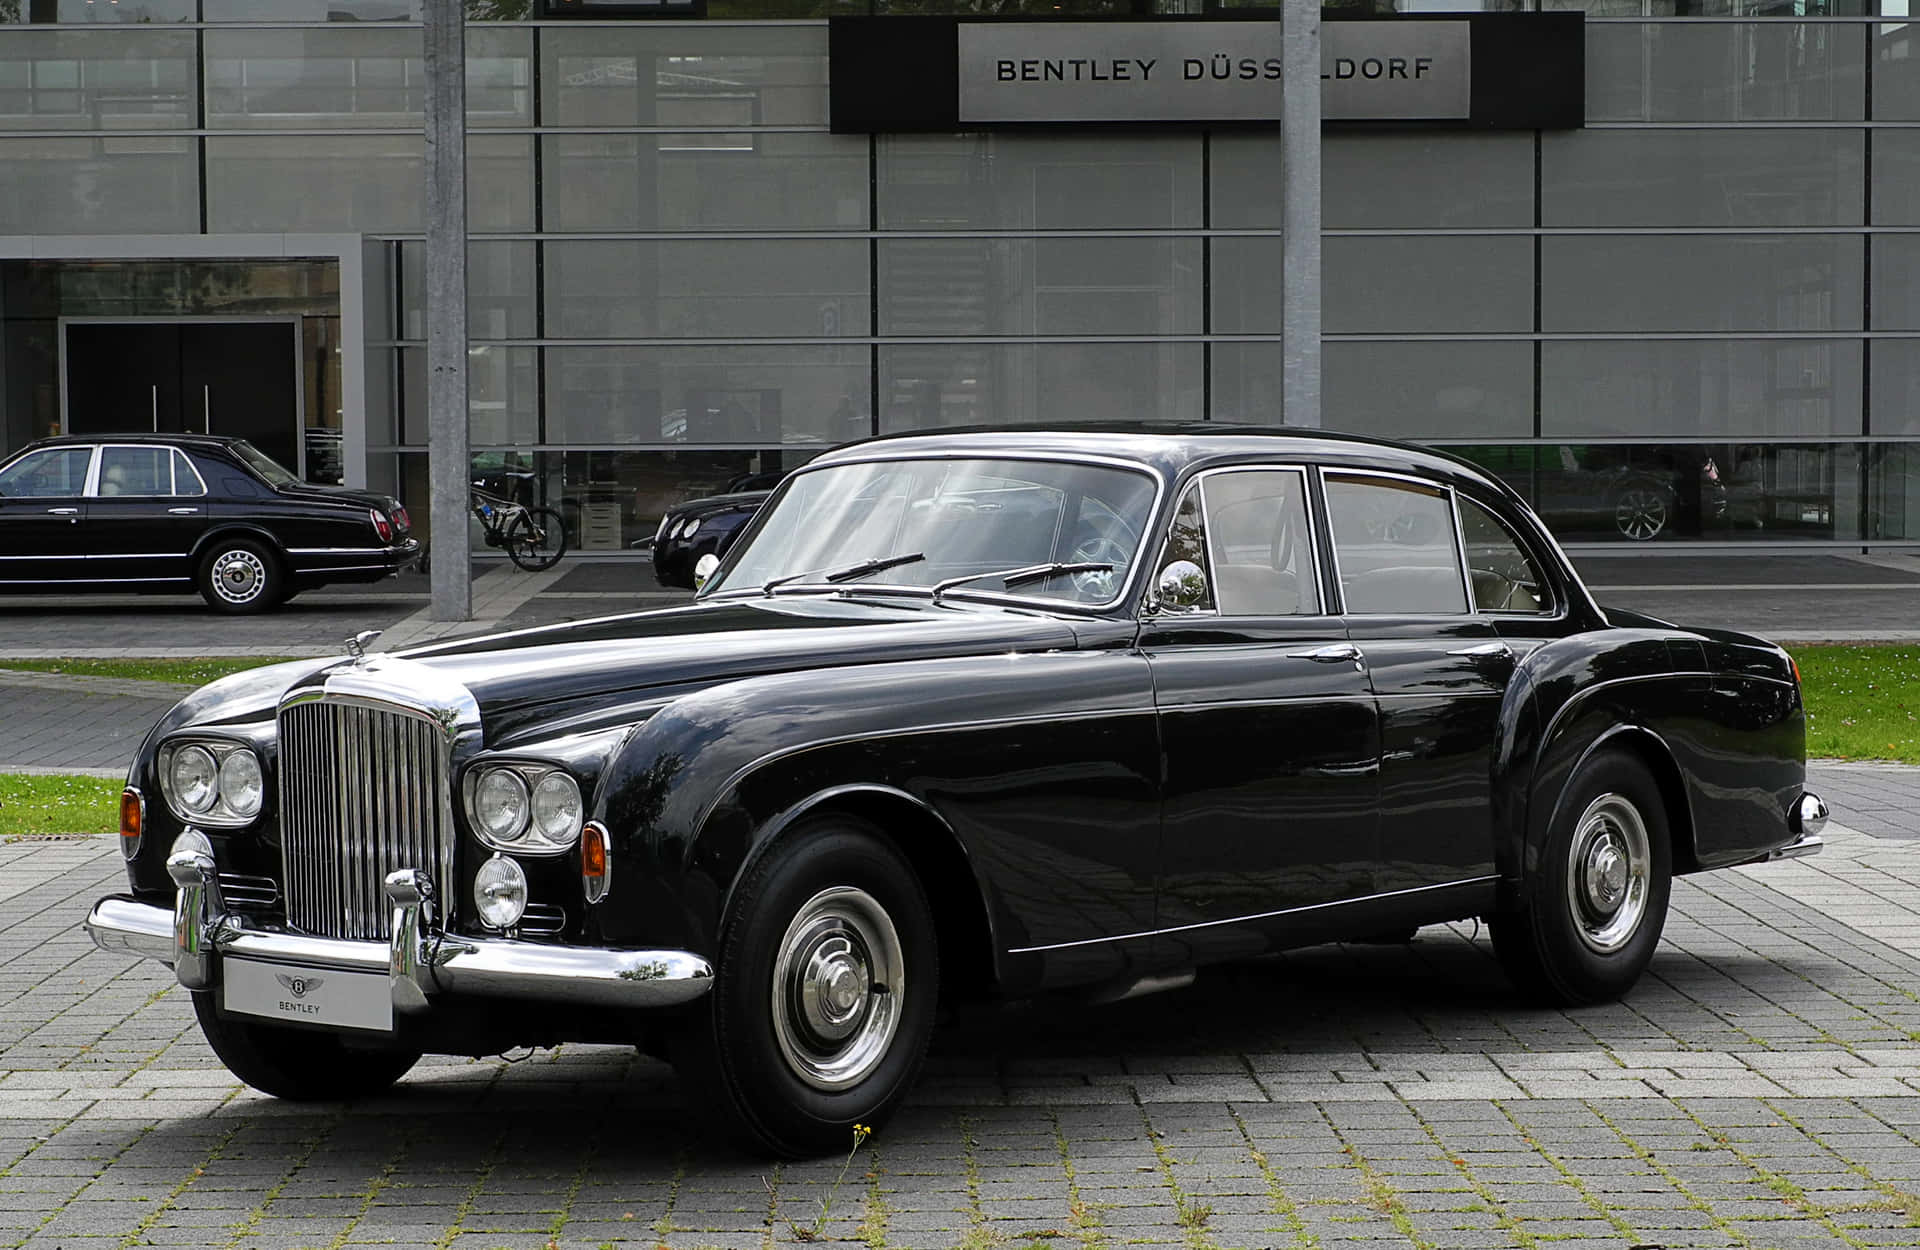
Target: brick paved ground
(1761,1089)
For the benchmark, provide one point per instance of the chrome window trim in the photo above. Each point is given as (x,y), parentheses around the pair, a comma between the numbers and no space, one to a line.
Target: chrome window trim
(1120,599)
(1306,508)
(1150,607)
(1444,489)
(174,458)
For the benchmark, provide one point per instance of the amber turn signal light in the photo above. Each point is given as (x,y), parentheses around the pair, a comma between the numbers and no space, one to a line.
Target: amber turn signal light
(596,861)
(133,820)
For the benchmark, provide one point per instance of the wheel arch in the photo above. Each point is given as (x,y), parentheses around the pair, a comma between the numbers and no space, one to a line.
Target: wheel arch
(1653,753)
(224,530)
(963,923)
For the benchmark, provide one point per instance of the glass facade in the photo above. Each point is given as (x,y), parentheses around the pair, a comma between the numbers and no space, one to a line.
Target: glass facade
(1700,306)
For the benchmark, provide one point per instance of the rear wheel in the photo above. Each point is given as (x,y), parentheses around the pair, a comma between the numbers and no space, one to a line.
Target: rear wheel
(536,539)
(295,1064)
(824,995)
(240,575)
(1591,919)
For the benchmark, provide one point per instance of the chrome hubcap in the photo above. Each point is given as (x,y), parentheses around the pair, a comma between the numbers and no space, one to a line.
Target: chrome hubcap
(838,982)
(1607,873)
(238,576)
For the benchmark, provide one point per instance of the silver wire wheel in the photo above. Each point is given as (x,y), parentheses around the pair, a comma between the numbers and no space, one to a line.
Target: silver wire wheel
(1608,863)
(839,983)
(1641,513)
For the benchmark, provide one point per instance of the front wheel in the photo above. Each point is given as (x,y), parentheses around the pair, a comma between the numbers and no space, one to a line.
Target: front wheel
(536,539)
(823,999)
(295,1064)
(1591,917)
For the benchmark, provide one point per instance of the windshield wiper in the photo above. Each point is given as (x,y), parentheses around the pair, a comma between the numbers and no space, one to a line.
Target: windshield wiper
(1028,573)
(846,574)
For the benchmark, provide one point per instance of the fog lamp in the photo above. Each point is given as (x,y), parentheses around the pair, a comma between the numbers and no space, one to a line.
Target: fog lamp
(500,893)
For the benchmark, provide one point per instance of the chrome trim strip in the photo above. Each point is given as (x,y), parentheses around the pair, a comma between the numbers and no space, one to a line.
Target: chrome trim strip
(85,581)
(1806,844)
(1265,915)
(347,551)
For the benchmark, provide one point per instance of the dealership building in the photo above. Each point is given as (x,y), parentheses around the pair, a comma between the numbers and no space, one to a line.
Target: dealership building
(1684,312)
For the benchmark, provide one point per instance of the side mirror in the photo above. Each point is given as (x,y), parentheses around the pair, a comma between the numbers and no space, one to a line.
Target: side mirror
(1182,587)
(703,569)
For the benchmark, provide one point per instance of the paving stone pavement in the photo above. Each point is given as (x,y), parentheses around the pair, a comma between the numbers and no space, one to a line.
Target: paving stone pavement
(1760,1090)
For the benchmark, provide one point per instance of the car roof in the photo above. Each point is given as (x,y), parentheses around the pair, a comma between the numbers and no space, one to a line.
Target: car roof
(1173,448)
(203,441)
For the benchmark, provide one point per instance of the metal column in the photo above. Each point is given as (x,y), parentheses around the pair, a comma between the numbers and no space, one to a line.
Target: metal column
(448,458)
(1300,211)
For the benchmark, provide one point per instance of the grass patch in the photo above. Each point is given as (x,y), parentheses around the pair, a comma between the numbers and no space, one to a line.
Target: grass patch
(182,672)
(1863,702)
(38,806)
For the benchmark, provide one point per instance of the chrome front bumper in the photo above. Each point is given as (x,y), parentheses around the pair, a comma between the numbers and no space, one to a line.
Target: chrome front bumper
(421,965)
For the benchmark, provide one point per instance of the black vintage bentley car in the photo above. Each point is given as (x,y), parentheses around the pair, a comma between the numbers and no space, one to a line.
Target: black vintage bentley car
(182,512)
(975,713)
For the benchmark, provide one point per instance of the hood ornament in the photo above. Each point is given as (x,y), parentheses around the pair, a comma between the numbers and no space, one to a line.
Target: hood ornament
(358,644)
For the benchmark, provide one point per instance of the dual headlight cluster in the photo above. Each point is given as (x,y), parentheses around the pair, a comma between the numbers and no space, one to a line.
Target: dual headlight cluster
(212,782)
(528,809)
(679,531)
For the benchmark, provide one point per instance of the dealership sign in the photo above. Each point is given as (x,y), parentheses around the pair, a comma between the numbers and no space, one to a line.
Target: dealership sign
(945,74)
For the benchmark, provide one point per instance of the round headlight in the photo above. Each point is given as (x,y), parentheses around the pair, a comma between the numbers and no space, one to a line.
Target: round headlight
(500,804)
(556,809)
(691,527)
(242,788)
(194,779)
(500,893)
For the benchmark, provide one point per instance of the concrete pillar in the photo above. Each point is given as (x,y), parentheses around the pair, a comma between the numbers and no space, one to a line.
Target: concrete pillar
(1300,211)
(448,458)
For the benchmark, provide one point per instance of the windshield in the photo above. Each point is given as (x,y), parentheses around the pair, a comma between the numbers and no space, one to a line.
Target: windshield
(263,464)
(962,517)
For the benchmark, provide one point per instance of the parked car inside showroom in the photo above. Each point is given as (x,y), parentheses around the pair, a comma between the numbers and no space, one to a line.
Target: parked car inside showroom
(964,714)
(175,513)
(696,528)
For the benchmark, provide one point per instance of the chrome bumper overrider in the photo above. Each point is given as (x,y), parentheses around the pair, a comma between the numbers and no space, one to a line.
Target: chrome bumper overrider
(1806,818)
(197,932)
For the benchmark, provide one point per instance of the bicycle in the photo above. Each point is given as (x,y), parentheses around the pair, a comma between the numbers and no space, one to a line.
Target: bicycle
(534,537)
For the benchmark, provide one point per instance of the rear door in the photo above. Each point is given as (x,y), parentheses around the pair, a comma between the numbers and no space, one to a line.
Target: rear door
(148,510)
(42,507)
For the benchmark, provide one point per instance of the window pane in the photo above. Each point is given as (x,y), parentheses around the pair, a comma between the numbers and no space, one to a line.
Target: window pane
(1262,550)
(1650,283)
(1504,576)
(927,386)
(1896,386)
(1384,285)
(655,182)
(91,12)
(500,290)
(111,185)
(1756,388)
(96,79)
(793,396)
(650,75)
(1702,177)
(187,481)
(357,76)
(57,473)
(136,471)
(1396,390)
(1031,286)
(747,288)
(1394,543)
(1031,182)
(1739,71)
(1389,181)
(1896,177)
(364,183)
(503,388)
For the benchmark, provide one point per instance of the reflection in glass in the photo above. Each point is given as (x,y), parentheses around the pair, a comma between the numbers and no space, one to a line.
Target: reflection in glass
(362,183)
(927,386)
(1038,182)
(1651,283)
(501,290)
(767,396)
(356,76)
(1031,286)
(96,80)
(736,288)
(1725,388)
(98,186)
(796,181)
(1744,71)
(1395,390)
(646,74)
(1757,177)
(1382,181)
(503,395)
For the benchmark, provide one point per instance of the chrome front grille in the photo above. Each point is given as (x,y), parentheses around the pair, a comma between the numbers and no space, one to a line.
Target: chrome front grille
(364,790)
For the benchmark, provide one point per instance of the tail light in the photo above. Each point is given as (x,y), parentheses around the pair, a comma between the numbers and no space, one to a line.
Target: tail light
(381,525)
(133,821)
(402,519)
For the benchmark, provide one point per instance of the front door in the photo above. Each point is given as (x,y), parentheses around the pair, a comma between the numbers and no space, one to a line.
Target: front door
(197,377)
(1269,731)
(42,507)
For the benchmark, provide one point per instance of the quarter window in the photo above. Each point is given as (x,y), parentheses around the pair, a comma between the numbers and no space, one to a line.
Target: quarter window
(56,473)
(1504,576)
(1186,552)
(1262,550)
(1395,544)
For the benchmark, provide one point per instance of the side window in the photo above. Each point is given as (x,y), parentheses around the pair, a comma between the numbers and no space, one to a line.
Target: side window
(1262,550)
(56,473)
(142,472)
(1394,542)
(1505,578)
(185,480)
(1186,547)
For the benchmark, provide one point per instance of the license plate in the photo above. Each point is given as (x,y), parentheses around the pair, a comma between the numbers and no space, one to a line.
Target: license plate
(327,996)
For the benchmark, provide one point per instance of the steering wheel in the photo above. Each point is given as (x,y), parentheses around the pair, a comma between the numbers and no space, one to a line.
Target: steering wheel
(1098,547)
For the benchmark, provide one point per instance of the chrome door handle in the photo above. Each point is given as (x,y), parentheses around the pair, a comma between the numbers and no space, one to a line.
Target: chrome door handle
(63,511)
(1485,651)
(1332,653)
(183,512)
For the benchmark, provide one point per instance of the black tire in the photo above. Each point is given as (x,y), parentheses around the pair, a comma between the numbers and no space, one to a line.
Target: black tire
(295,1064)
(809,900)
(1582,934)
(536,539)
(240,575)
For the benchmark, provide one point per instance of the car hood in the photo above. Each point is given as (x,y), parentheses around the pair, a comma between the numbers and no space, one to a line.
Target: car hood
(673,651)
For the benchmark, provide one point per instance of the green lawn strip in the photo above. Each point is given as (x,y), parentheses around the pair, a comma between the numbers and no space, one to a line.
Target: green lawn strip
(1863,702)
(136,668)
(33,807)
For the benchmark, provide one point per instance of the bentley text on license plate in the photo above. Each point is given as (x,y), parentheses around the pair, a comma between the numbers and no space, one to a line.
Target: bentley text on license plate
(347,1000)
